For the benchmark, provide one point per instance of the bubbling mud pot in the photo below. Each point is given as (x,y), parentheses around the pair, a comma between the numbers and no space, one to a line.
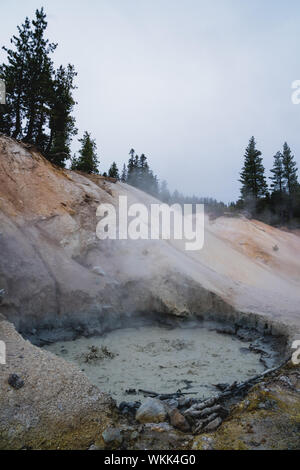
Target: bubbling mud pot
(161,359)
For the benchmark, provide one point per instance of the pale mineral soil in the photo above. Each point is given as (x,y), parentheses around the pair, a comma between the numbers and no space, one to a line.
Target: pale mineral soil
(161,360)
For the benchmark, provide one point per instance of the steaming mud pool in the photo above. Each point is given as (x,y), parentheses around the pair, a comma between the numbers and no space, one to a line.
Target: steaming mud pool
(161,360)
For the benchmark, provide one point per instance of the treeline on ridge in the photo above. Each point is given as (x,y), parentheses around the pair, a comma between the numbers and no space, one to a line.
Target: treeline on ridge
(39,110)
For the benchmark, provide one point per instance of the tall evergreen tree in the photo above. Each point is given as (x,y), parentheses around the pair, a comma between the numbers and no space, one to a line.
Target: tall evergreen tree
(62,123)
(277,179)
(290,176)
(113,171)
(278,196)
(143,161)
(124,174)
(6,114)
(38,99)
(39,71)
(140,175)
(15,76)
(87,160)
(254,185)
(289,170)
(132,168)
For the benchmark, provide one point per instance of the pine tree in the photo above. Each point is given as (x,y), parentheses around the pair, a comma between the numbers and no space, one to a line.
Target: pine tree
(142,171)
(140,175)
(278,198)
(124,174)
(254,185)
(290,178)
(15,76)
(39,72)
(278,173)
(113,171)
(62,123)
(132,168)
(143,161)
(289,170)
(147,181)
(87,160)
(6,111)
(38,99)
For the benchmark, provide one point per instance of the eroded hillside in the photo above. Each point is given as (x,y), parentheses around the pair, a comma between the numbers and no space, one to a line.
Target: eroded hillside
(54,267)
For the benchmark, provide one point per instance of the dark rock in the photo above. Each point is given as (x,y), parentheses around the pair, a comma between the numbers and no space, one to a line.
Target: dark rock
(246,334)
(178,421)
(129,407)
(131,391)
(15,381)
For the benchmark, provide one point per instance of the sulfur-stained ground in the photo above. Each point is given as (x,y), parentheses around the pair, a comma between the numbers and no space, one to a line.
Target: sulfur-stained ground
(267,419)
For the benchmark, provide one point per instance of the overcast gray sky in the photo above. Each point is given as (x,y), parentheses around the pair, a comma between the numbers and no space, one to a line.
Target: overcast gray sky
(187,82)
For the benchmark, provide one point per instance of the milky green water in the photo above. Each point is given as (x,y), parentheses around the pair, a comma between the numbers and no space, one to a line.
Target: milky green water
(160,360)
